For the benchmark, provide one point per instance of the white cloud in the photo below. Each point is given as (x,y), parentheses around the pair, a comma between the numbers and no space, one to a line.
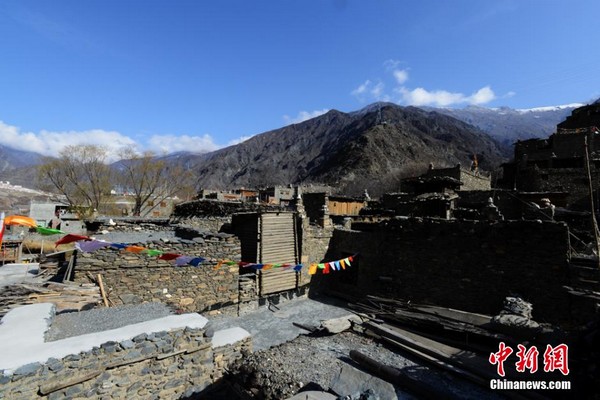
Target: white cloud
(362,89)
(401,75)
(173,143)
(303,116)
(402,94)
(423,97)
(51,143)
(377,90)
(482,96)
(369,90)
(391,64)
(239,140)
(443,98)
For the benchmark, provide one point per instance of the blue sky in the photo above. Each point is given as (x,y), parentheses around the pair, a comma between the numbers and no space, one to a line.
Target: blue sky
(199,75)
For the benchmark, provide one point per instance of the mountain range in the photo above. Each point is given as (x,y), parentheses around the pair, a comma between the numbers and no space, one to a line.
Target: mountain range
(372,147)
(508,125)
(352,151)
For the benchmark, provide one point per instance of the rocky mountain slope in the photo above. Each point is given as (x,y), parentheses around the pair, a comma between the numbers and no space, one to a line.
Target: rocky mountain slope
(344,149)
(508,125)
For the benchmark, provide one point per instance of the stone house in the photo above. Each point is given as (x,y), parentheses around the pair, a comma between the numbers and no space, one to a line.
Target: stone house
(557,164)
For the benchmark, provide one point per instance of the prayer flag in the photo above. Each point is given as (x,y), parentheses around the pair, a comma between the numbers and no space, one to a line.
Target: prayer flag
(48,231)
(169,256)
(1,227)
(196,261)
(91,245)
(20,220)
(135,249)
(312,269)
(70,238)
(182,260)
(153,252)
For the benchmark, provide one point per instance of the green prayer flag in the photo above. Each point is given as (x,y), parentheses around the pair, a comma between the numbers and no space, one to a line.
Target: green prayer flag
(48,231)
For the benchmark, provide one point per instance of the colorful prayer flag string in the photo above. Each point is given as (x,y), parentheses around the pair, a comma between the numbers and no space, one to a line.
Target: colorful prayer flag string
(328,267)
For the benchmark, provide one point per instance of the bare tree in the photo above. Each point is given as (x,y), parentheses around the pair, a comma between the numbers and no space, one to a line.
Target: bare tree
(81,174)
(151,179)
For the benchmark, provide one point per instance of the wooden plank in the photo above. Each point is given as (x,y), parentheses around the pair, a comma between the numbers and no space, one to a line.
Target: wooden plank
(457,315)
(63,382)
(460,358)
(284,279)
(276,245)
(102,290)
(283,274)
(265,292)
(282,286)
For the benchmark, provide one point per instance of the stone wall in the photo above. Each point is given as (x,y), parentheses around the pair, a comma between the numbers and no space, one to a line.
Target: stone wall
(213,208)
(166,365)
(507,201)
(571,180)
(474,181)
(469,265)
(211,224)
(132,278)
(315,242)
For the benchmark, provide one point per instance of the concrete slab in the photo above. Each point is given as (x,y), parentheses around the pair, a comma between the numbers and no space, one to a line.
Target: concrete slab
(11,274)
(229,336)
(270,328)
(22,335)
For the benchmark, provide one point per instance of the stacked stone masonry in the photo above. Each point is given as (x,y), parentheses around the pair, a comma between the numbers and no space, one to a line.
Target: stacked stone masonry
(450,263)
(160,365)
(133,278)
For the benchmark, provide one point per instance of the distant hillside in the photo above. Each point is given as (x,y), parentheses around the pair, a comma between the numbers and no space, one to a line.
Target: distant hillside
(15,199)
(18,167)
(508,125)
(11,159)
(370,148)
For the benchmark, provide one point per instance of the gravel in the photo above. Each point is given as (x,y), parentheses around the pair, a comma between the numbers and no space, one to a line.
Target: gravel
(281,371)
(101,319)
(135,237)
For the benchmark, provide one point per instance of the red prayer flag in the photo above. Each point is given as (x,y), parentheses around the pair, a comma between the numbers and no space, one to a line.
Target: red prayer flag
(70,238)
(168,256)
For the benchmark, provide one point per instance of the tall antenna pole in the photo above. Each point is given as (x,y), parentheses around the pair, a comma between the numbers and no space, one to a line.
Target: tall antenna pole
(591,189)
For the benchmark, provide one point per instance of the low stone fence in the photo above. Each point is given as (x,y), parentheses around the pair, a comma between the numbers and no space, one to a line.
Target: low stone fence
(133,278)
(172,357)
